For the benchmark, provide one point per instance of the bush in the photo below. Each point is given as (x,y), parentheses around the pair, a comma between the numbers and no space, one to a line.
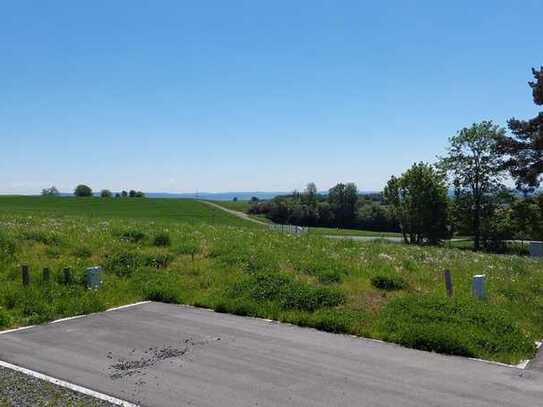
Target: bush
(162,291)
(238,306)
(325,270)
(336,321)
(308,298)
(284,289)
(82,191)
(162,240)
(388,282)
(159,261)
(5,319)
(132,236)
(123,264)
(463,327)
(7,248)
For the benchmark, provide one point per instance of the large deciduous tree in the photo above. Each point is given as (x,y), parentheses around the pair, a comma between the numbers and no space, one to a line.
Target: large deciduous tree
(419,199)
(475,167)
(83,191)
(525,147)
(343,199)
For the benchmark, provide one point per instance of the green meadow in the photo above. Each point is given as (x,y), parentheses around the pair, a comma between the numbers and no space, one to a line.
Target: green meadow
(158,210)
(183,251)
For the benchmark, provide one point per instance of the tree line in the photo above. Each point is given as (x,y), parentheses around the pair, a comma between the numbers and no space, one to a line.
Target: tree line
(83,191)
(463,193)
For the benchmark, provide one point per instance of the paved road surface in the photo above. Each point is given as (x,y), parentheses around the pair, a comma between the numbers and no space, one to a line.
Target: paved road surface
(167,355)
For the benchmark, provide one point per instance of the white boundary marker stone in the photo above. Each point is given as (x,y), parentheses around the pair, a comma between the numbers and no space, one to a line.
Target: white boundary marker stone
(68,385)
(535,249)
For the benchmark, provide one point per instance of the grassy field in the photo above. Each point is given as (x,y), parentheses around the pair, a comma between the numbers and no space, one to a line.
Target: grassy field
(158,210)
(386,291)
(241,206)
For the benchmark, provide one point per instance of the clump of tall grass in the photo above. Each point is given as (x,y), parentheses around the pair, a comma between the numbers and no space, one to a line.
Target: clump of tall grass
(162,240)
(465,327)
(132,236)
(388,282)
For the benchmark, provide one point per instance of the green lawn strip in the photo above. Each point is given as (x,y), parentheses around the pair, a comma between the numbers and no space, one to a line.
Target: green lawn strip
(371,289)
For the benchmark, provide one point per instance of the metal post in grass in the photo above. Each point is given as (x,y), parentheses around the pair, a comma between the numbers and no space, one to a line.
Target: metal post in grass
(46,275)
(94,277)
(535,249)
(478,286)
(67,275)
(25,275)
(448,282)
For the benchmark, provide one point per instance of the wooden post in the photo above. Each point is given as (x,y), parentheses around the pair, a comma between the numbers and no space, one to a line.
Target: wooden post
(25,274)
(46,275)
(448,282)
(67,274)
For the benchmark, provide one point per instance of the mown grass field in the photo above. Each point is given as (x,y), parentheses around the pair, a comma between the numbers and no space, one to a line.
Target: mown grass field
(386,291)
(159,210)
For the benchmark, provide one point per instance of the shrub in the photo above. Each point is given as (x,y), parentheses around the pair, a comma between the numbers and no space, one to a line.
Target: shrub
(327,271)
(263,286)
(162,240)
(159,261)
(455,326)
(106,193)
(238,306)
(83,191)
(5,319)
(123,264)
(7,248)
(284,289)
(334,321)
(308,298)
(162,291)
(132,236)
(388,282)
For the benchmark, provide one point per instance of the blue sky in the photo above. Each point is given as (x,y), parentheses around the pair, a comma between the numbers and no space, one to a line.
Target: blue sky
(233,95)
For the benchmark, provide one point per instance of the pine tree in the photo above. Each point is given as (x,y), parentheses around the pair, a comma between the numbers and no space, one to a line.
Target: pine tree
(525,148)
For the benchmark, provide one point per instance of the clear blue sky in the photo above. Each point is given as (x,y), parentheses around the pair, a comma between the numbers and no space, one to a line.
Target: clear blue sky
(251,95)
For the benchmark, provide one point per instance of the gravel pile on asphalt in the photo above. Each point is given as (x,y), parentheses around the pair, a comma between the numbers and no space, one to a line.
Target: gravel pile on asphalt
(20,390)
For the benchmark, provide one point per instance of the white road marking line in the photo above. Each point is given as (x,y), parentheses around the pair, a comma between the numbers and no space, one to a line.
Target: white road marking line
(70,386)
(128,306)
(74,317)
(66,319)
(7,331)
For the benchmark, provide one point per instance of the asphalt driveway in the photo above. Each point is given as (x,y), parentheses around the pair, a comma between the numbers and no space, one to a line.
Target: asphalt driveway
(166,355)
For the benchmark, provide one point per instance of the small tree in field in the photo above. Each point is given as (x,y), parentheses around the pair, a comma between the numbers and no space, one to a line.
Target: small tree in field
(419,200)
(476,168)
(53,191)
(83,191)
(124,194)
(106,193)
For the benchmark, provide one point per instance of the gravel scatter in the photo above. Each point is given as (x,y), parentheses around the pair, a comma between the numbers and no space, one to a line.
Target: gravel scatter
(20,390)
(150,357)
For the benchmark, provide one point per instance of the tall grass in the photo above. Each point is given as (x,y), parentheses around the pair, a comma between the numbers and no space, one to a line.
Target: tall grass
(374,289)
